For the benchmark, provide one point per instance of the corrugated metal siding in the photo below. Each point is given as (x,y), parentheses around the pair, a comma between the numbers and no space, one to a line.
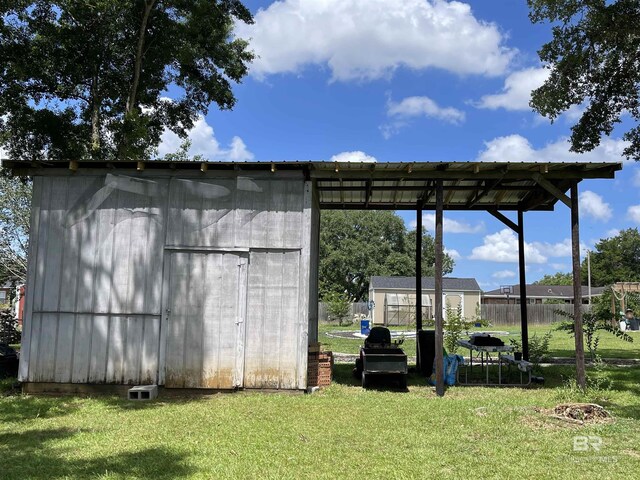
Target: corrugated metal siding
(96,286)
(96,290)
(207,307)
(242,212)
(274,320)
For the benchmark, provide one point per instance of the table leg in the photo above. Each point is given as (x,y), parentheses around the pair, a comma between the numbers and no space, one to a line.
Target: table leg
(499,368)
(486,366)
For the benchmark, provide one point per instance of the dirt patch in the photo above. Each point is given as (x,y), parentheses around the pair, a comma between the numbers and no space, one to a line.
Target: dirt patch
(580,413)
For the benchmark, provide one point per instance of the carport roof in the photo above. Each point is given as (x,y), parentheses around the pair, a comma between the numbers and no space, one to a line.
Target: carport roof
(394,186)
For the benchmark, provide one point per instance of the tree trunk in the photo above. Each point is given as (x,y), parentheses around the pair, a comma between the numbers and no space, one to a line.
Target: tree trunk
(131,101)
(95,113)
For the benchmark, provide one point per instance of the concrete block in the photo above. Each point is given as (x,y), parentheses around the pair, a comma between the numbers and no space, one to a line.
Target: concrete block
(143,392)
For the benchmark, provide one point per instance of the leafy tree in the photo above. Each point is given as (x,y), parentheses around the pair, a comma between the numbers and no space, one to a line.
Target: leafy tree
(616,259)
(88,80)
(338,306)
(15,208)
(558,278)
(593,58)
(428,254)
(355,245)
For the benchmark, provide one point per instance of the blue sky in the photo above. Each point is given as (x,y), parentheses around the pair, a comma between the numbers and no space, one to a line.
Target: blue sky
(417,80)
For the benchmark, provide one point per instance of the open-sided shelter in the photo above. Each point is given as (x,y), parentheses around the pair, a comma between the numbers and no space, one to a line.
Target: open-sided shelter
(204,275)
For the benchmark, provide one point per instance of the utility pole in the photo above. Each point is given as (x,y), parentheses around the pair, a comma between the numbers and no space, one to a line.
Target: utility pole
(589,273)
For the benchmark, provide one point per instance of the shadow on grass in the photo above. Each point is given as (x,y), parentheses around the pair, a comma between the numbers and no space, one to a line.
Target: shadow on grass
(34,455)
(343,375)
(19,408)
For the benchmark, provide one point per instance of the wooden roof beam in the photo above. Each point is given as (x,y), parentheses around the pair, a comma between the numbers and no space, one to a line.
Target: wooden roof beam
(552,189)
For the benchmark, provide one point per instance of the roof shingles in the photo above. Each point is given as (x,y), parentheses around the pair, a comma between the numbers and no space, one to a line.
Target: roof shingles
(428,283)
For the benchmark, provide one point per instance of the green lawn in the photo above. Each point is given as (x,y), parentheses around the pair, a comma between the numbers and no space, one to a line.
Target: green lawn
(561,342)
(341,432)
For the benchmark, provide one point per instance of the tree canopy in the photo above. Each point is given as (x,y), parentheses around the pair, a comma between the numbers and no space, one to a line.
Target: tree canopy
(90,80)
(593,58)
(616,259)
(558,278)
(15,208)
(355,245)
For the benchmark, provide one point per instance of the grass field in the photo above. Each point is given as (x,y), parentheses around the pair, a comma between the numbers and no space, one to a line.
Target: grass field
(561,344)
(341,432)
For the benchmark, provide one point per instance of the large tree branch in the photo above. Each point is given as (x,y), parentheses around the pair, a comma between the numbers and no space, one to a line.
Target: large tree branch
(133,92)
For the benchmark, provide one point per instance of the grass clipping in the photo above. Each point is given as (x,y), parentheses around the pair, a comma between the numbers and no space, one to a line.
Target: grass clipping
(580,413)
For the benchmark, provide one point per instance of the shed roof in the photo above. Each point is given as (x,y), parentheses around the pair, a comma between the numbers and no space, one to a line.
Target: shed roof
(546,291)
(428,283)
(394,186)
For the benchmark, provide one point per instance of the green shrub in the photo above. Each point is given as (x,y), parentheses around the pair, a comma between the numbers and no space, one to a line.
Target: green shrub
(338,307)
(9,331)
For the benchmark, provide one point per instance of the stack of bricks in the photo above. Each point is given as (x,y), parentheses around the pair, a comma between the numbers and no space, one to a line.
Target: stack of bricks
(319,367)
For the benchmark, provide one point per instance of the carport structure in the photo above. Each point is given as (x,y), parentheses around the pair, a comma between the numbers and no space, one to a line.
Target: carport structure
(491,187)
(133,240)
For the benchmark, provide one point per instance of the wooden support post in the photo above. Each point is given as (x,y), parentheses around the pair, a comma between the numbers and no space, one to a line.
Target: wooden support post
(439,360)
(418,278)
(577,288)
(524,321)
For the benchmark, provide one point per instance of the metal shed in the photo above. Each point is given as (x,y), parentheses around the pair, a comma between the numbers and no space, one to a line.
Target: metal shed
(170,277)
(204,275)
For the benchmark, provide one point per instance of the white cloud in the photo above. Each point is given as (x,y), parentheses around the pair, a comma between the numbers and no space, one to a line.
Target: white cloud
(634,213)
(592,205)
(368,40)
(454,254)
(205,144)
(412,107)
(424,106)
(501,274)
(517,89)
(574,113)
(449,225)
(355,156)
(3,154)
(502,247)
(614,232)
(516,148)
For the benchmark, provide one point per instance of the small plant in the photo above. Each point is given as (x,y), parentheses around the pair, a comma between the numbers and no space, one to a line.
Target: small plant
(338,307)
(516,344)
(539,349)
(454,325)
(592,323)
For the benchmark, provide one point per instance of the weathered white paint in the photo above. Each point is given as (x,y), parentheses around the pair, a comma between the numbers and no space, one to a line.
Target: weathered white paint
(111,255)
(206,301)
